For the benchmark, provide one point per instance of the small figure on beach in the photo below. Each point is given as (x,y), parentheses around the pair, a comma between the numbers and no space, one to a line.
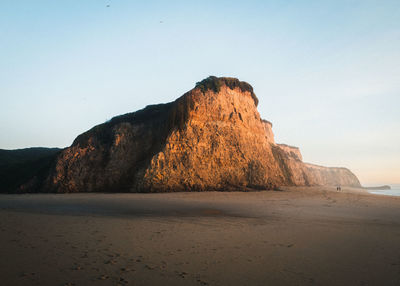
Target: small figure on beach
(338,188)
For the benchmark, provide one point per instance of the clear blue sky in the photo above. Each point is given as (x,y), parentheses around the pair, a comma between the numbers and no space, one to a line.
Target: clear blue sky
(327,73)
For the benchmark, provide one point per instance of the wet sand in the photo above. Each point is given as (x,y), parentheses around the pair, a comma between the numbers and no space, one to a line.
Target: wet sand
(297,236)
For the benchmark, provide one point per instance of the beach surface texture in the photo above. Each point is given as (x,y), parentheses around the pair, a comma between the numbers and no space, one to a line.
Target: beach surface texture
(295,236)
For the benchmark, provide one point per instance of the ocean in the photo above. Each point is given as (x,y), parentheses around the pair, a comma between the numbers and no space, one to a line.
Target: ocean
(394,191)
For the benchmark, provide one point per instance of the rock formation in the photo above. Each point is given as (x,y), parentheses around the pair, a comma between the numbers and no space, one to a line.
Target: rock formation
(305,174)
(211,138)
(378,188)
(23,170)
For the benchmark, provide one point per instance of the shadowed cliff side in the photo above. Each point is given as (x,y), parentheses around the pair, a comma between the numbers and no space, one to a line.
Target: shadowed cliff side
(23,170)
(109,156)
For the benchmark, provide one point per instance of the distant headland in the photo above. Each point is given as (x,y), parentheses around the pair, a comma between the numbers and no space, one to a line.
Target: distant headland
(384,187)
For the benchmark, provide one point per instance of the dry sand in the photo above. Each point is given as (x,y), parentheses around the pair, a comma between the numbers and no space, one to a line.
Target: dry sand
(298,236)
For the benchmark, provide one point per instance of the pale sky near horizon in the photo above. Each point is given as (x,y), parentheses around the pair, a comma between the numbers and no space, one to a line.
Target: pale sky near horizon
(327,73)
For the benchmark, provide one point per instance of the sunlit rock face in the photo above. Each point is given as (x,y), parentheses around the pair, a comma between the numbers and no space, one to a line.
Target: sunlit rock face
(319,175)
(222,145)
(291,151)
(211,138)
(304,174)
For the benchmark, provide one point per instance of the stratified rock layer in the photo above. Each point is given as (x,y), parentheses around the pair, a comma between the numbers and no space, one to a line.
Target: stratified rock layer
(211,138)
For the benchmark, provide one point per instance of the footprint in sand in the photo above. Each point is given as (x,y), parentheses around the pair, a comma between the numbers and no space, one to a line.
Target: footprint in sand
(182,274)
(84,255)
(103,277)
(284,245)
(28,274)
(112,261)
(122,281)
(202,282)
(149,267)
(123,269)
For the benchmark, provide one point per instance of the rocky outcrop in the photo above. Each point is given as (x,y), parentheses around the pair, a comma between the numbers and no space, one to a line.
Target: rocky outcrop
(319,175)
(292,151)
(23,170)
(304,174)
(211,138)
(268,131)
(378,188)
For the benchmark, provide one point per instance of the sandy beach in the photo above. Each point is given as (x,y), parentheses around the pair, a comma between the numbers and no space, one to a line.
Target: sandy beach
(296,236)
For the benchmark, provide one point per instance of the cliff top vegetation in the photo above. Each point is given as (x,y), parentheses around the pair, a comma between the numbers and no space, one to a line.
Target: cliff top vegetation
(214,83)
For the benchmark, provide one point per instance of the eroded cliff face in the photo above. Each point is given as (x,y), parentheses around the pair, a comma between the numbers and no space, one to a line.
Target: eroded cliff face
(109,156)
(305,174)
(223,145)
(319,175)
(292,151)
(211,138)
